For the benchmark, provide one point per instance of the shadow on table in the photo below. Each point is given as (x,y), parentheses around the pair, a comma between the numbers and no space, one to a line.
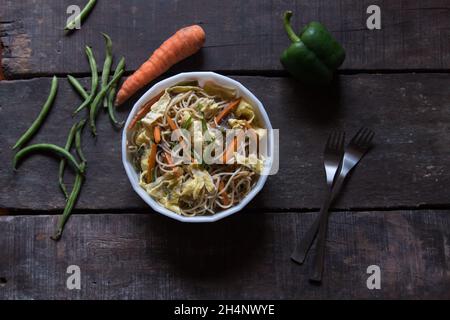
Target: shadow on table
(320,104)
(208,249)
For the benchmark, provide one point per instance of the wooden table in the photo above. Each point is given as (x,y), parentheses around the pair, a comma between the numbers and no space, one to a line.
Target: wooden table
(394,211)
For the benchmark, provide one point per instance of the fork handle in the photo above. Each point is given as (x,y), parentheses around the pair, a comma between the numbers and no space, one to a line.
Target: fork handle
(322,237)
(302,248)
(320,254)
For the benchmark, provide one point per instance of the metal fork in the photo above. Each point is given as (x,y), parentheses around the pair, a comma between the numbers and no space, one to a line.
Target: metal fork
(334,149)
(354,152)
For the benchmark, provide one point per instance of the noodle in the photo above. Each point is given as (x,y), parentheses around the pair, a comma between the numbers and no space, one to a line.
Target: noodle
(192,189)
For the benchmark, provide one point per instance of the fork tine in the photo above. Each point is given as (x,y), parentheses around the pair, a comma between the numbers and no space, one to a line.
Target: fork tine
(335,139)
(329,141)
(337,145)
(368,138)
(365,140)
(357,136)
(361,136)
(342,141)
(365,136)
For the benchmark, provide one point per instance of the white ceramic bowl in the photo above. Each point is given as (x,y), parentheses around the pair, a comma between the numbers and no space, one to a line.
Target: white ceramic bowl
(201,77)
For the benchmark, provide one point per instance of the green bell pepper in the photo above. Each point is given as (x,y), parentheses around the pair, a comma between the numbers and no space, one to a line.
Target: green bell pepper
(314,55)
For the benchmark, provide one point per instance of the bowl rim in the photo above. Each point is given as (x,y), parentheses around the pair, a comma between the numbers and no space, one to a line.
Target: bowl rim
(163,84)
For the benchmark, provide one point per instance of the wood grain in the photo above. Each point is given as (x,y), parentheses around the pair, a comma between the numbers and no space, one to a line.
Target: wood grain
(140,256)
(242,36)
(125,253)
(2,76)
(408,167)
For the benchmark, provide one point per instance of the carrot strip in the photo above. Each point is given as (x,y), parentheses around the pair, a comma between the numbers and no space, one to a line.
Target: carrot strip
(182,44)
(176,170)
(174,127)
(144,110)
(229,153)
(157,134)
(172,124)
(151,161)
(227,110)
(224,195)
(168,157)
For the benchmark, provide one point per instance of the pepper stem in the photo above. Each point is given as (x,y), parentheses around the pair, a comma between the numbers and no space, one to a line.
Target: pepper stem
(287,26)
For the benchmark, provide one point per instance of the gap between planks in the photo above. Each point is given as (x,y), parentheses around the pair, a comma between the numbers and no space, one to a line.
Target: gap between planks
(28,212)
(243,73)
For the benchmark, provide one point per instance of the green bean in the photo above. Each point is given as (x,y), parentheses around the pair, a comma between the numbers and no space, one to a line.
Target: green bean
(79,178)
(107,65)
(80,127)
(94,106)
(43,147)
(112,95)
(94,80)
(62,163)
(41,117)
(78,87)
(80,18)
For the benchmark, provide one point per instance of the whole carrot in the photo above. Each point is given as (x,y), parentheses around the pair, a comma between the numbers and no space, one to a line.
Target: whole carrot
(182,44)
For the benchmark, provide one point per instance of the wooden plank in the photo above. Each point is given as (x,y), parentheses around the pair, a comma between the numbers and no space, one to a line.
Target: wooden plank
(2,76)
(241,35)
(408,167)
(138,256)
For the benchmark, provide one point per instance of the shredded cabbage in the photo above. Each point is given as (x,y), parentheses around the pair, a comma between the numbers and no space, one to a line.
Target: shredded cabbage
(245,110)
(193,186)
(251,162)
(236,123)
(157,110)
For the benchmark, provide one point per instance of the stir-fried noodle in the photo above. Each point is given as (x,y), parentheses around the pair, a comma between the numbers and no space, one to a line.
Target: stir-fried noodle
(195,188)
